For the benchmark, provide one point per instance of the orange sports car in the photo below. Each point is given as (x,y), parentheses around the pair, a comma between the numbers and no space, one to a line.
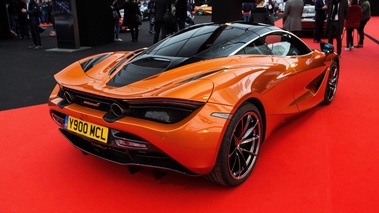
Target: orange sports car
(200,102)
(203,10)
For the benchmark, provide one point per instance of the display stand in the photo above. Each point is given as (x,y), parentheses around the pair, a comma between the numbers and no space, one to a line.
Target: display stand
(66,26)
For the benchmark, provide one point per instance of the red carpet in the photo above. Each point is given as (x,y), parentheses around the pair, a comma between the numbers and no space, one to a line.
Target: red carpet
(325,160)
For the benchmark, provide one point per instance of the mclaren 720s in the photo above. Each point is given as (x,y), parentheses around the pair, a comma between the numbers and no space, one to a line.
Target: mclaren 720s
(199,102)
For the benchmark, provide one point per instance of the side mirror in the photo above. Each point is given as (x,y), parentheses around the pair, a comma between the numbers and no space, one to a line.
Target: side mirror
(326,47)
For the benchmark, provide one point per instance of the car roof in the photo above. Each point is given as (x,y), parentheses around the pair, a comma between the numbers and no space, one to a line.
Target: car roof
(257,28)
(198,38)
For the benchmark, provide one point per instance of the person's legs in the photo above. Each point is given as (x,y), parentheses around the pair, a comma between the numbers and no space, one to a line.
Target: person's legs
(136,33)
(157,28)
(349,38)
(361,32)
(132,29)
(338,36)
(331,33)
(181,24)
(246,18)
(164,31)
(38,37)
(318,30)
(34,32)
(151,25)
(117,29)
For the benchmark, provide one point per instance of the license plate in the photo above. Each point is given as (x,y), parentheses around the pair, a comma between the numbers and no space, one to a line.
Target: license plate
(87,129)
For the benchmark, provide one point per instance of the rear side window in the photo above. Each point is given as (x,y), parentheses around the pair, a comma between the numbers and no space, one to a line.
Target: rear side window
(185,44)
(284,44)
(257,47)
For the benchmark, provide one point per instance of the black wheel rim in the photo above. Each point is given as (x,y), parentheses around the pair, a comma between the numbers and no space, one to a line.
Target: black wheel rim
(332,82)
(244,146)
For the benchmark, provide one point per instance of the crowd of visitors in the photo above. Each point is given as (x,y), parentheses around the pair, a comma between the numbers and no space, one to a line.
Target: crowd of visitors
(165,17)
(333,18)
(18,20)
(345,16)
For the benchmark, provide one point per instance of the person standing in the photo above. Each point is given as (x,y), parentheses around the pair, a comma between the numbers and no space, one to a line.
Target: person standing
(292,16)
(353,19)
(270,6)
(366,15)
(130,18)
(45,11)
(23,20)
(337,12)
(13,7)
(116,21)
(320,17)
(260,14)
(161,7)
(151,11)
(181,13)
(246,8)
(33,12)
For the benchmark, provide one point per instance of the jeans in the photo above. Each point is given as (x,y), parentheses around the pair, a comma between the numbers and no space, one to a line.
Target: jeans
(117,28)
(246,18)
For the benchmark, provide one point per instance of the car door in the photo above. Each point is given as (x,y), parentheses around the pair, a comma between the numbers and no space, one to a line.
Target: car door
(306,66)
(280,76)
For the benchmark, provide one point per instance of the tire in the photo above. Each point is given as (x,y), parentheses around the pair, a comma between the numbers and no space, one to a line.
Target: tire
(331,86)
(239,148)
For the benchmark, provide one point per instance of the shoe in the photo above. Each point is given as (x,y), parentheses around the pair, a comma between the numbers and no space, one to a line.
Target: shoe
(37,47)
(31,46)
(358,46)
(348,48)
(118,39)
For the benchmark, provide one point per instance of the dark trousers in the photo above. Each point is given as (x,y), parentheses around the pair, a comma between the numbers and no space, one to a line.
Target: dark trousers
(361,32)
(349,37)
(181,24)
(317,33)
(134,32)
(334,32)
(159,25)
(24,29)
(35,35)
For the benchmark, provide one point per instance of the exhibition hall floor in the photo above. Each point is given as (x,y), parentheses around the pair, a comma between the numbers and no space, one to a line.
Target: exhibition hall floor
(324,160)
